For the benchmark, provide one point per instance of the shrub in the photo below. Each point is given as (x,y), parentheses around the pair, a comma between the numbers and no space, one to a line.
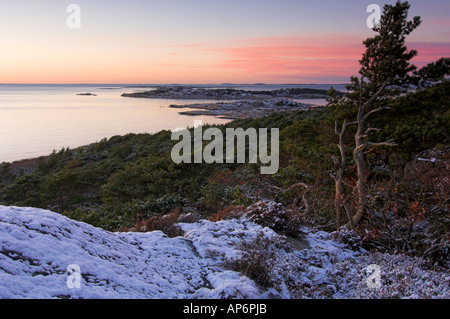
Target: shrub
(275,216)
(230,212)
(256,261)
(165,223)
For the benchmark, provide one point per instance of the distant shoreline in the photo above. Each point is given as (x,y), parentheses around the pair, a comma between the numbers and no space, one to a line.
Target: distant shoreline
(245,107)
(192,92)
(242,103)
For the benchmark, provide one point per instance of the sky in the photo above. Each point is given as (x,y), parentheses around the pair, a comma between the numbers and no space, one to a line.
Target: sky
(199,41)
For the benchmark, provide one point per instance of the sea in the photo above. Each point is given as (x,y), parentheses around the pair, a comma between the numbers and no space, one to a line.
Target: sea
(36,119)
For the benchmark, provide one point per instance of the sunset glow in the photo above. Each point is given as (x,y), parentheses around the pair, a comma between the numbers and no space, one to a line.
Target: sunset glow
(200,42)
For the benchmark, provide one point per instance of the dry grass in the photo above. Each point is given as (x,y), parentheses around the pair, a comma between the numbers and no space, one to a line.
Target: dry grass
(256,261)
(165,223)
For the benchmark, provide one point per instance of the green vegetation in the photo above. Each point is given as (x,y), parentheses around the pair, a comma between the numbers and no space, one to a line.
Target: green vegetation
(400,192)
(119,182)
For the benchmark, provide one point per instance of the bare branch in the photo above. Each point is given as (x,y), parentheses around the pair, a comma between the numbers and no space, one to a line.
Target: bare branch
(348,184)
(306,204)
(359,148)
(307,187)
(349,215)
(370,129)
(344,126)
(387,143)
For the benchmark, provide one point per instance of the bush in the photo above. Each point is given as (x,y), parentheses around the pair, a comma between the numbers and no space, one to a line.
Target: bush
(275,216)
(166,223)
(231,212)
(256,261)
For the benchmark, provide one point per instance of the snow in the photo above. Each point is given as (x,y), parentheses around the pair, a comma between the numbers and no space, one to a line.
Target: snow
(432,160)
(38,246)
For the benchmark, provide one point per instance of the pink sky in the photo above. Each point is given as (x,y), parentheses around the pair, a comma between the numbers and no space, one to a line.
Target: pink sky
(201,41)
(304,59)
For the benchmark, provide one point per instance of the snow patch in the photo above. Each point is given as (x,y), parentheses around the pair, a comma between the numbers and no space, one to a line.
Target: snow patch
(37,246)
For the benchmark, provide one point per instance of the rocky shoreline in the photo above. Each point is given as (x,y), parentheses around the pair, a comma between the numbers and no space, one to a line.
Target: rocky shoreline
(243,109)
(242,103)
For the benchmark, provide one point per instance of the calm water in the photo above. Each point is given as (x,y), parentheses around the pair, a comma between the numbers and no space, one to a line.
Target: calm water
(37,119)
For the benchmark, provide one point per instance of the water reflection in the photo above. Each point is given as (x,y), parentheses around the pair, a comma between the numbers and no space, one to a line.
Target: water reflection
(35,121)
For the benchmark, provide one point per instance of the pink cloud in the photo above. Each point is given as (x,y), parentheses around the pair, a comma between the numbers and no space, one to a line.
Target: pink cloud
(313,59)
(326,57)
(439,22)
(429,51)
(296,57)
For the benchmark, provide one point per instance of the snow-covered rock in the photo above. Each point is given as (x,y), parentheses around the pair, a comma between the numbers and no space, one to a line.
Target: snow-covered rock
(46,255)
(38,246)
(244,108)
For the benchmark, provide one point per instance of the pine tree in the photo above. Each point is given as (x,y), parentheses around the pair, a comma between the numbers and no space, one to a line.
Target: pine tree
(386,71)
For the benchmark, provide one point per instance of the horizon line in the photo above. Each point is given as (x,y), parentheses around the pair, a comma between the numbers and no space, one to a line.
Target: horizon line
(148,84)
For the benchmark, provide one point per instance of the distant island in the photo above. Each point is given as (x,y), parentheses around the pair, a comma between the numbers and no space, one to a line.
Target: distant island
(87,94)
(189,92)
(243,103)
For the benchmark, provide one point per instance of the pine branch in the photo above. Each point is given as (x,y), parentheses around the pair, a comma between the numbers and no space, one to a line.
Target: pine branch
(373,98)
(382,108)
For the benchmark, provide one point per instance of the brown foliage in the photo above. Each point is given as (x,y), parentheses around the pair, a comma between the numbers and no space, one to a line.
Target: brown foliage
(228,213)
(275,216)
(165,223)
(408,209)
